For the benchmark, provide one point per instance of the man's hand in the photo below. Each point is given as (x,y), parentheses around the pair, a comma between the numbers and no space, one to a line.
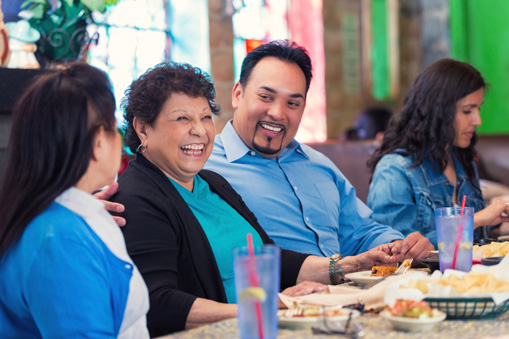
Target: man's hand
(365,261)
(304,288)
(393,249)
(416,246)
(111,206)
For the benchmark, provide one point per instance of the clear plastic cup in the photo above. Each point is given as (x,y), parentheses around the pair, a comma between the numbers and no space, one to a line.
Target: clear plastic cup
(258,292)
(449,221)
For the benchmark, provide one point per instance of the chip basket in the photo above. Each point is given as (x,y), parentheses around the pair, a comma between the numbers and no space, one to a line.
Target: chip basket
(468,308)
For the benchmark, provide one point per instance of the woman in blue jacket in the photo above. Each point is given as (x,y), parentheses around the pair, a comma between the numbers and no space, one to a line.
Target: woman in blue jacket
(64,267)
(426,159)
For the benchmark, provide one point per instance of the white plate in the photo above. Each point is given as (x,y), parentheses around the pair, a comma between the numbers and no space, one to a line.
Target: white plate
(307,322)
(412,324)
(363,277)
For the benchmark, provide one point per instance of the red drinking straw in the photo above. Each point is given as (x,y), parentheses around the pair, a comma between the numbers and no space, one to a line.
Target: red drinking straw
(460,231)
(253,280)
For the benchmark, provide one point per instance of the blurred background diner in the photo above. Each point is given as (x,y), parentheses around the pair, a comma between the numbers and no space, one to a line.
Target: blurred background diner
(370,124)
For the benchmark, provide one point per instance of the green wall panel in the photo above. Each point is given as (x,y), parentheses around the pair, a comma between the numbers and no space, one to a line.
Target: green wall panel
(379,51)
(480,36)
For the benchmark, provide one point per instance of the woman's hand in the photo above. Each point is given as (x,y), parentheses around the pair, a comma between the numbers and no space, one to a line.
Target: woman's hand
(492,215)
(303,288)
(111,206)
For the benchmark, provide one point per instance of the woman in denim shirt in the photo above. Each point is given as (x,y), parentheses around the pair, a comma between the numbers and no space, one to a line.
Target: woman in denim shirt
(426,159)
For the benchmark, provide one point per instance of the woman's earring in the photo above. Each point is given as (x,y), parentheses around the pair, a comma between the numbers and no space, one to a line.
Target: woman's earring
(141,149)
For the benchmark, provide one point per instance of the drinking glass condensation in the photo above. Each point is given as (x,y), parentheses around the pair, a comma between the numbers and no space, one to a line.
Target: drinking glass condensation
(448,221)
(265,267)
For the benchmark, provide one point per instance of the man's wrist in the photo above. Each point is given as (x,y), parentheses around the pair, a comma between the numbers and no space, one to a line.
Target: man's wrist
(340,271)
(349,265)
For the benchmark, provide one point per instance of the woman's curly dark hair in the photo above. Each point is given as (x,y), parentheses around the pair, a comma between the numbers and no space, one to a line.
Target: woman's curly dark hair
(146,96)
(425,126)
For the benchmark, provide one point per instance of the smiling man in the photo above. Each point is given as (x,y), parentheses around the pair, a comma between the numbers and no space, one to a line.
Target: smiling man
(298,195)
(269,108)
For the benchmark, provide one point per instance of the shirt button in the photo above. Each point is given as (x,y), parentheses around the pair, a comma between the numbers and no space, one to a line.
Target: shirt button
(252,153)
(128,266)
(307,219)
(295,187)
(321,245)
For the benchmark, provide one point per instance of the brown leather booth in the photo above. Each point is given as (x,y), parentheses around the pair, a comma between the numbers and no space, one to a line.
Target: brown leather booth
(351,157)
(494,158)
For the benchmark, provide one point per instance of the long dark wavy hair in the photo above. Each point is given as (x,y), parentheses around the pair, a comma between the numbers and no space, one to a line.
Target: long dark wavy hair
(146,96)
(425,126)
(51,143)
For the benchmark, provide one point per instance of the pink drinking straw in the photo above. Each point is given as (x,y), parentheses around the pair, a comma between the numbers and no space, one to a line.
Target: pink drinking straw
(460,231)
(253,280)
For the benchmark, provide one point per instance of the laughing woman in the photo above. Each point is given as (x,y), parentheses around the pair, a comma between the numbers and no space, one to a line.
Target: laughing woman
(183,221)
(426,159)
(64,267)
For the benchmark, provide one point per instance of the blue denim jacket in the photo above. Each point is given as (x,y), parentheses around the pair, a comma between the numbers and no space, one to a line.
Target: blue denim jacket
(405,197)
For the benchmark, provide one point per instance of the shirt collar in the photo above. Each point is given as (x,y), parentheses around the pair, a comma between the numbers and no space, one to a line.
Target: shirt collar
(436,177)
(79,202)
(235,148)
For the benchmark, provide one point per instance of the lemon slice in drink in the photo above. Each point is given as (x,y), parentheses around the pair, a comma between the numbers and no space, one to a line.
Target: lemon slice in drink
(252,294)
(466,245)
(440,246)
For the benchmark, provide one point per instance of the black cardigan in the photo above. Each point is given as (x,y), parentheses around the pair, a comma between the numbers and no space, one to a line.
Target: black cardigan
(170,248)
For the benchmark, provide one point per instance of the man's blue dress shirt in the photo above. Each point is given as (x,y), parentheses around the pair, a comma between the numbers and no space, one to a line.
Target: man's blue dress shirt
(300,198)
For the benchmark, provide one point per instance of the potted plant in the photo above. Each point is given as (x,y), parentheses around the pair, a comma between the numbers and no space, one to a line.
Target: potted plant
(62,24)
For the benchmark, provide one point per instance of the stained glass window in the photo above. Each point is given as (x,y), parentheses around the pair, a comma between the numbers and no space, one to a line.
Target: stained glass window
(135,35)
(259,21)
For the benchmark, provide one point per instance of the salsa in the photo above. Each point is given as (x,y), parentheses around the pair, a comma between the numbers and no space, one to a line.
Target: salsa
(411,309)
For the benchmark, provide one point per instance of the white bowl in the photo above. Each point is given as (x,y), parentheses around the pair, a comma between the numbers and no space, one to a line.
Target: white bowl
(362,278)
(413,324)
(308,322)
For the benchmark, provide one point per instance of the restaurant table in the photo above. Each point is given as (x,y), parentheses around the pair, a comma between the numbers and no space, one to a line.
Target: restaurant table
(375,327)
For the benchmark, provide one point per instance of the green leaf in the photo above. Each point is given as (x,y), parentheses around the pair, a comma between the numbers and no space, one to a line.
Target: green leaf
(34,2)
(38,10)
(94,5)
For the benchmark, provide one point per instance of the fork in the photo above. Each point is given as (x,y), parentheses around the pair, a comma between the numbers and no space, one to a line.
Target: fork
(334,328)
(402,269)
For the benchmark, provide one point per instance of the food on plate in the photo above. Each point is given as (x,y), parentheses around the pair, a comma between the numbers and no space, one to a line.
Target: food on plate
(317,311)
(471,283)
(495,249)
(411,309)
(298,310)
(407,263)
(382,271)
